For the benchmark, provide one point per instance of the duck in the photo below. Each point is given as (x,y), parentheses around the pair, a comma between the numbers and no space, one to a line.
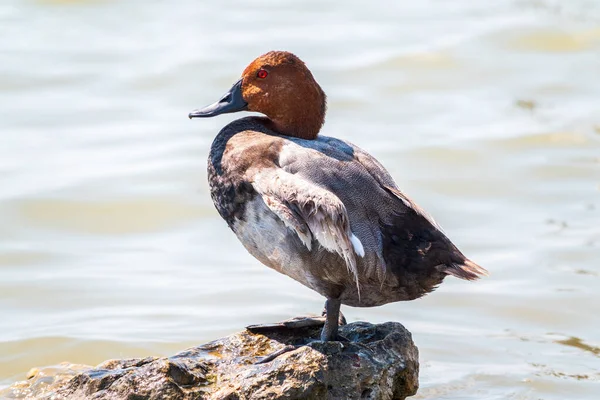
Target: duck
(318,209)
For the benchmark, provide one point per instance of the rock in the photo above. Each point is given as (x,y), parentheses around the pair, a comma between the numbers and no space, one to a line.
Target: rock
(378,362)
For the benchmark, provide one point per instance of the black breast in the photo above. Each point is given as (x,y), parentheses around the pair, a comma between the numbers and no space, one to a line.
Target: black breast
(229,190)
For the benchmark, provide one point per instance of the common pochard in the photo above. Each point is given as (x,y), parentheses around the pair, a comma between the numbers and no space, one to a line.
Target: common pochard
(319,209)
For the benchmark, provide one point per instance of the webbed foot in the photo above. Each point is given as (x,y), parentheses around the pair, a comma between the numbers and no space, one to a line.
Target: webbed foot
(308,321)
(276,354)
(330,320)
(288,348)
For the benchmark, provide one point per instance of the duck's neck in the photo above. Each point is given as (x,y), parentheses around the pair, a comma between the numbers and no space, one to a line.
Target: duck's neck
(303,120)
(306,128)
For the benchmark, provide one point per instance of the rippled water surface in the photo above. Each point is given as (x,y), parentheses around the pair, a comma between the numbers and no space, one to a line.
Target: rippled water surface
(487,113)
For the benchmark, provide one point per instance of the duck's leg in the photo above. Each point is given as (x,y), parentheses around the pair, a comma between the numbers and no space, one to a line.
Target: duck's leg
(332,315)
(333,318)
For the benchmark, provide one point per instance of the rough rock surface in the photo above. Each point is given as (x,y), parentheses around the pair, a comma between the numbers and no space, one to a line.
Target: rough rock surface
(378,362)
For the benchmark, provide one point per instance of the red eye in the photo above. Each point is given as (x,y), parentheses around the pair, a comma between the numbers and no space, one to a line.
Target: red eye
(262,74)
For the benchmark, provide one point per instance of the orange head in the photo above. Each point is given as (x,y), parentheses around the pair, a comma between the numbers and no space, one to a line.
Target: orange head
(279,85)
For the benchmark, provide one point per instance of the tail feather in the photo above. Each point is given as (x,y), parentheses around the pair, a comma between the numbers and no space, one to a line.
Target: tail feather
(467,270)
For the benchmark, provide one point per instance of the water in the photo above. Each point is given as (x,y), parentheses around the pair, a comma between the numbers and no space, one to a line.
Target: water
(487,113)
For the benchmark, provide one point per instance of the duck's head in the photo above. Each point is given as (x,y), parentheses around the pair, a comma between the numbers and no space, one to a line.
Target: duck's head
(279,85)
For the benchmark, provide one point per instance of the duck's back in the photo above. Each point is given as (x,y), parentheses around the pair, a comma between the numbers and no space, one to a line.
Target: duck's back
(261,184)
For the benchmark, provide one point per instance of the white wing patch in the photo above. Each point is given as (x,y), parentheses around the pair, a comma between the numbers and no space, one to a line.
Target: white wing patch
(357,244)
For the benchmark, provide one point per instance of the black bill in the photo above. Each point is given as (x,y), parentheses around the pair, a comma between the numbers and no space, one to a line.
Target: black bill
(231,102)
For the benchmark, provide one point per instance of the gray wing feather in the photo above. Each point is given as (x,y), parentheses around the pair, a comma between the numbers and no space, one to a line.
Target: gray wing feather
(311,211)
